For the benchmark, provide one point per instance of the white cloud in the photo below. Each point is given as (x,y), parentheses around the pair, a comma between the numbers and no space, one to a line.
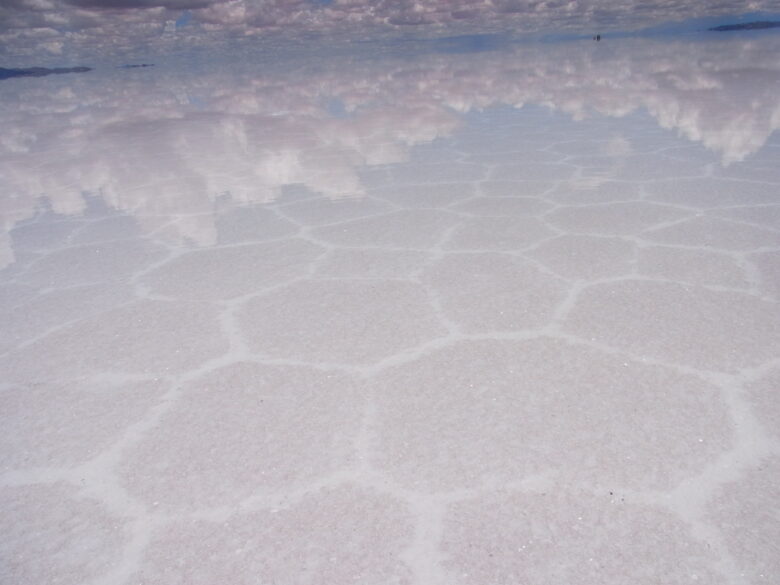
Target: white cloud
(107,25)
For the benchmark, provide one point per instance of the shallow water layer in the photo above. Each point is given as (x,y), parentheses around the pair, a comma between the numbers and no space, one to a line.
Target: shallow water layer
(493,318)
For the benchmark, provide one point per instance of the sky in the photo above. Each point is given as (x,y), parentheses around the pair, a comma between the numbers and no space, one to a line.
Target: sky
(34,32)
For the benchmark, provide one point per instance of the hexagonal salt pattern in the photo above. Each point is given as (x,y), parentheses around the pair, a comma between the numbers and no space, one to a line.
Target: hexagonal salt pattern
(768,266)
(586,257)
(764,396)
(531,351)
(55,424)
(142,337)
(224,273)
(493,292)
(543,407)
(746,513)
(338,535)
(92,263)
(243,414)
(340,321)
(690,325)
(51,535)
(576,538)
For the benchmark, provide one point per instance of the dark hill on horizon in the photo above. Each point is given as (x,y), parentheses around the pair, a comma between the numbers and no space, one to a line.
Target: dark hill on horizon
(758,25)
(40,71)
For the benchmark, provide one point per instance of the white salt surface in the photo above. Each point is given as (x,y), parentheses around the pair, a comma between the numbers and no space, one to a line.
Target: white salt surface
(436,340)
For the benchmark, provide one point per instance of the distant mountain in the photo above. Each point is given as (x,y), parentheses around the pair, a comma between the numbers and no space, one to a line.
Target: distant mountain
(747,26)
(40,71)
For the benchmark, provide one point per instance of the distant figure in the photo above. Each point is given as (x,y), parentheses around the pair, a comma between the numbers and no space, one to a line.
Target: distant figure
(598,37)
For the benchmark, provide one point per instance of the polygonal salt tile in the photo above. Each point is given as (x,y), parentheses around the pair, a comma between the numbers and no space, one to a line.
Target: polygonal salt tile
(356,322)
(93,263)
(374,176)
(111,228)
(13,295)
(144,337)
(342,535)
(372,263)
(185,231)
(690,325)
(609,147)
(623,218)
(764,397)
(258,427)
(296,192)
(761,215)
(694,266)
(572,538)
(711,232)
(648,166)
(325,211)
(600,162)
(225,273)
(585,257)
(45,234)
(500,135)
(577,147)
(493,292)
(437,195)
(9,264)
(251,224)
(595,190)
(419,228)
(434,152)
(56,308)
(708,192)
(691,152)
(532,171)
(768,175)
(14,262)
(60,424)
(502,206)
(498,233)
(745,512)
(768,265)
(50,535)
(500,411)
(515,188)
(530,154)
(449,172)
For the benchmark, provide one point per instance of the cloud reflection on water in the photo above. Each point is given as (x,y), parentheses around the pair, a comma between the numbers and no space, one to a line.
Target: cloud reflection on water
(159,143)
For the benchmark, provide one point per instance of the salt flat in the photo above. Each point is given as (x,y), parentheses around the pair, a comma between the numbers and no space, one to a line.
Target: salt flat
(502,318)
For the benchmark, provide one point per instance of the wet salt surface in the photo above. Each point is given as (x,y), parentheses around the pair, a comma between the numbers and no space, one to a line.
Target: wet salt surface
(433,339)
